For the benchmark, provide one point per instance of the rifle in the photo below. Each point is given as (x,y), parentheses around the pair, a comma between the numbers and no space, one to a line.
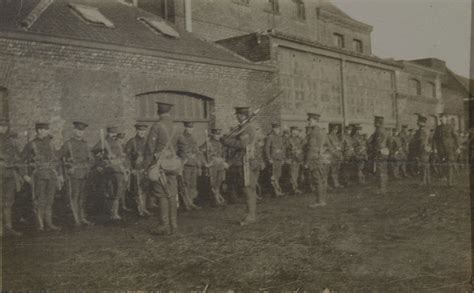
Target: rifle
(239,128)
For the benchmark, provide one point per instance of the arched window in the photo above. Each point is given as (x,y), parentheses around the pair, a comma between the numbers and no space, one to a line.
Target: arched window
(300,9)
(3,103)
(414,87)
(431,89)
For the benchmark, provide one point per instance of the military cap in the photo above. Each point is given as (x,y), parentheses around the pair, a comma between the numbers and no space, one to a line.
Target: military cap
(41,125)
(141,126)
(80,125)
(188,124)
(276,125)
(313,116)
(404,126)
(333,126)
(357,126)
(242,110)
(4,122)
(121,135)
(421,119)
(112,129)
(442,114)
(410,130)
(164,108)
(216,131)
(378,120)
(294,128)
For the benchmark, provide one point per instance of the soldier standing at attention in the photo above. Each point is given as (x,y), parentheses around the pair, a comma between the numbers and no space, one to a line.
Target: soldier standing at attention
(347,155)
(214,159)
(10,178)
(294,154)
(77,159)
(111,154)
(446,146)
(335,143)
(360,152)
(135,152)
(242,161)
(379,149)
(396,153)
(275,156)
(158,145)
(315,160)
(45,179)
(188,151)
(404,142)
(422,149)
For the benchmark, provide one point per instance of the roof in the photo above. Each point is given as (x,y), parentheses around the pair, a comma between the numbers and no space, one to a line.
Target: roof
(56,18)
(327,6)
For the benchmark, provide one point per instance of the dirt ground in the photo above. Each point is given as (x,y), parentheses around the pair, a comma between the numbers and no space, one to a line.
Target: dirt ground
(406,240)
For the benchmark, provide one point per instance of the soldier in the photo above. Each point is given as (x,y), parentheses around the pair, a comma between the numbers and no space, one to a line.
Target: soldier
(113,169)
(135,152)
(316,157)
(347,155)
(379,149)
(422,147)
(159,145)
(294,153)
(275,156)
(10,178)
(259,157)
(243,166)
(77,159)
(360,152)
(215,163)
(45,180)
(335,143)
(187,149)
(396,153)
(446,145)
(404,142)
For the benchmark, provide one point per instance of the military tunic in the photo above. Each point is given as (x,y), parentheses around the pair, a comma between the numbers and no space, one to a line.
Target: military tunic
(335,144)
(422,150)
(360,156)
(379,150)
(294,153)
(396,155)
(188,151)
(446,145)
(275,156)
(217,166)
(77,157)
(404,142)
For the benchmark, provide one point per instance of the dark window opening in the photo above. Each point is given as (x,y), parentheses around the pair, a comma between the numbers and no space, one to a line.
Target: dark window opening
(274,6)
(339,40)
(357,46)
(300,9)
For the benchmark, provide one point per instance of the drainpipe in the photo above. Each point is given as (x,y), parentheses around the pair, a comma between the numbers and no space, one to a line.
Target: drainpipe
(188,17)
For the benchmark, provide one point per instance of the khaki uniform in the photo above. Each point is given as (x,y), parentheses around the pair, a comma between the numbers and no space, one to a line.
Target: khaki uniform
(294,153)
(10,178)
(422,149)
(275,156)
(41,156)
(404,142)
(157,141)
(348,158)
(446,145)
(242,150)
(77,157)
(315,156)
(396,155)
(360,156)
(188,151)
(379,148)
(216,166)
(135,152)
(335,144)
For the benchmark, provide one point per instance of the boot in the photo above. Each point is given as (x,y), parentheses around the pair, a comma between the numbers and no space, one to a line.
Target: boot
(173,212)
(251,217)
(49,220)
(75,213)
(164,227)
(114,213)
(8,224)
(39,214)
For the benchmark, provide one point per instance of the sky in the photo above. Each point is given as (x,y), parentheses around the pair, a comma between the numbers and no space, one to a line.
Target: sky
(414,29)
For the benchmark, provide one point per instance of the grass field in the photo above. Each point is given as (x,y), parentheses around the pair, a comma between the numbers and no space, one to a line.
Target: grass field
(405,240)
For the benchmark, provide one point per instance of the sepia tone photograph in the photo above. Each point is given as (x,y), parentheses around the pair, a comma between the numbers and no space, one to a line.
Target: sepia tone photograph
(236,145)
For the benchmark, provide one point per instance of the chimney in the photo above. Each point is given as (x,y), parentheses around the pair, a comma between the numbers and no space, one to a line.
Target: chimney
(188,17)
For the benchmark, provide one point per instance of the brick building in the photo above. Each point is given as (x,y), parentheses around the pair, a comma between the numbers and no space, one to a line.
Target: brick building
(107,62)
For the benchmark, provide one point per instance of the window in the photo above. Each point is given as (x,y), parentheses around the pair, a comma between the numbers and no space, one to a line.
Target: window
(357,45)
(339,40)
(431,89)
(91,15)
(242,2)
(274,6)
(414,87)
(3,103)
(300,9)
(160,26)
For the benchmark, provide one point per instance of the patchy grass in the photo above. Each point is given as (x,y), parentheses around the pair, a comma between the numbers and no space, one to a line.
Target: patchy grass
(406,240)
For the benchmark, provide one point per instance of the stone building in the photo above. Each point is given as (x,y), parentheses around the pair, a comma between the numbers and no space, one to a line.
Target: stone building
(107,63)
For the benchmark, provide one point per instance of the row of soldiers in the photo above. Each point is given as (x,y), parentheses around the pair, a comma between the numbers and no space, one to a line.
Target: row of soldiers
(238,160)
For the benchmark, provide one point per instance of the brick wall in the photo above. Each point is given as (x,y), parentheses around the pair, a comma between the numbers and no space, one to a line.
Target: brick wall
(60,83)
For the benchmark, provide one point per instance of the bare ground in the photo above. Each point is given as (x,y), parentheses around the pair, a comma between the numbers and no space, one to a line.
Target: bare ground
(404,241)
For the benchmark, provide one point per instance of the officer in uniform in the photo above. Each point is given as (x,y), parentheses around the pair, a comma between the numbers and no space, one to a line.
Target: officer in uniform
(135,152)
(446,145)
(187,149)
(359,144)
(44,177)
(403,152)
(113,160)
(422,147)
(10,177)
(396,153)
(77,159)
(275,156)
(347,144)
(316,157)
(243,166)
(379,150)
(335,143)
(294,153)
(158,143)
(215,163)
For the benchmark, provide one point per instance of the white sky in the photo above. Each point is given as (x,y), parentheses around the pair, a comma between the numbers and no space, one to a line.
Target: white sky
(413,29)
